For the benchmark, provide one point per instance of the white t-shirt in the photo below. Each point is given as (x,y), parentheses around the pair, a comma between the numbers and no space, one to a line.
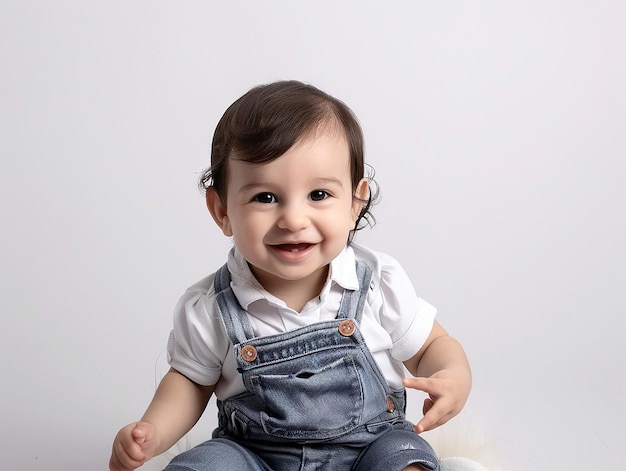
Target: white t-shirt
(395,322)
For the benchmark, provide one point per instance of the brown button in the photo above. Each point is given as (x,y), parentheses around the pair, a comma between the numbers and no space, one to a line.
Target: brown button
(391,407)
(346,328)
(248,353)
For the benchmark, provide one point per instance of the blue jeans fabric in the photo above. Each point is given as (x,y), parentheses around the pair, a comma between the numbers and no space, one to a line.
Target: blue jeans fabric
(315,400)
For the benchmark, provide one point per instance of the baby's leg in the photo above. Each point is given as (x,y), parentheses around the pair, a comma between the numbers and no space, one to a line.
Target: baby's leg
(217,455)
(398,450)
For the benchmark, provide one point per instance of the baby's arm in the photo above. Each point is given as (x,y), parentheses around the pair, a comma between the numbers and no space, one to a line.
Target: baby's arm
(442,371)
(177,405)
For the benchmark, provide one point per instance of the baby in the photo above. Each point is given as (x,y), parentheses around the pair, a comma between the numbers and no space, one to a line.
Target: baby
(303,335)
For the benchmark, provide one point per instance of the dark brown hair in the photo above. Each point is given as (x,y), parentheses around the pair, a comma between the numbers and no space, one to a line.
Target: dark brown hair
(269,119)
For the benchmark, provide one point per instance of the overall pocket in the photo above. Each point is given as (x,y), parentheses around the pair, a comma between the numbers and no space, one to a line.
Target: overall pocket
(311,403)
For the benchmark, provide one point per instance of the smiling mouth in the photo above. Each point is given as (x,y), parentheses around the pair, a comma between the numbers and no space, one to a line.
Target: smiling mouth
(293,248)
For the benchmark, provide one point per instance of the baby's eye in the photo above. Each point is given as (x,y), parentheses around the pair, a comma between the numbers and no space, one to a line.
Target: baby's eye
(266,198)
(318,195)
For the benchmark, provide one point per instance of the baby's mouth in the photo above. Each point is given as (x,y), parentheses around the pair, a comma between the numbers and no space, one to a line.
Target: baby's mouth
(293,248)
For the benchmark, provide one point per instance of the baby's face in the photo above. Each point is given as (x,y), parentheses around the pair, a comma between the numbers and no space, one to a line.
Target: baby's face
(290,217)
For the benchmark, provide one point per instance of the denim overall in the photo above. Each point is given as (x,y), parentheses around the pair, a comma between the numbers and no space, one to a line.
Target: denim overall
(315,398)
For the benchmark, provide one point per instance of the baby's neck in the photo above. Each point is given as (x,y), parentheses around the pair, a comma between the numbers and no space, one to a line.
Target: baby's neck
(297,293)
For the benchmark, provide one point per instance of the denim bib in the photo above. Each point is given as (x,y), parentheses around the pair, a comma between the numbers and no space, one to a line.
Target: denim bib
(318,383)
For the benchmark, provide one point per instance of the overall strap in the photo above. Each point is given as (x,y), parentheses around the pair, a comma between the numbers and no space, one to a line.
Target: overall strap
(352,301)
(235,318)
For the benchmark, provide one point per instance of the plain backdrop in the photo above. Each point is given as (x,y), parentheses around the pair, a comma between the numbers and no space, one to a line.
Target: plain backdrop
(497,131)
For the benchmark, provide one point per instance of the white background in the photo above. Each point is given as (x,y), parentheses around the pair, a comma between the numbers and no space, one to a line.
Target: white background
(497,130)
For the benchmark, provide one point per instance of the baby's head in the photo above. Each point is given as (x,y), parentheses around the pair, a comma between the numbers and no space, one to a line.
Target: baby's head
(269,119)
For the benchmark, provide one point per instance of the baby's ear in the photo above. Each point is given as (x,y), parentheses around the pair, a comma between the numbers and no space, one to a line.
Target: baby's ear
(218,211)
(360,198)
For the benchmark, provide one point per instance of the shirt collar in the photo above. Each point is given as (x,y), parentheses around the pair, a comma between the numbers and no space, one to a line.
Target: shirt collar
(343,269)
(248,290)
(245,286)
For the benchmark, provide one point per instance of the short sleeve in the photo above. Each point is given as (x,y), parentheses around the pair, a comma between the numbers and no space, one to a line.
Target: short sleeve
(197,344)
(406,317)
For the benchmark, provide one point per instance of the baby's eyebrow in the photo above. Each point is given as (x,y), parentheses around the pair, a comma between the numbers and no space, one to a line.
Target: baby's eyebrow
(330,181)
(252,186)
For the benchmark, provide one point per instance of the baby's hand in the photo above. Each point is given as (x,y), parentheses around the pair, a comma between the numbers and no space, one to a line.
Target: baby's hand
(133,446)
(446,397)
